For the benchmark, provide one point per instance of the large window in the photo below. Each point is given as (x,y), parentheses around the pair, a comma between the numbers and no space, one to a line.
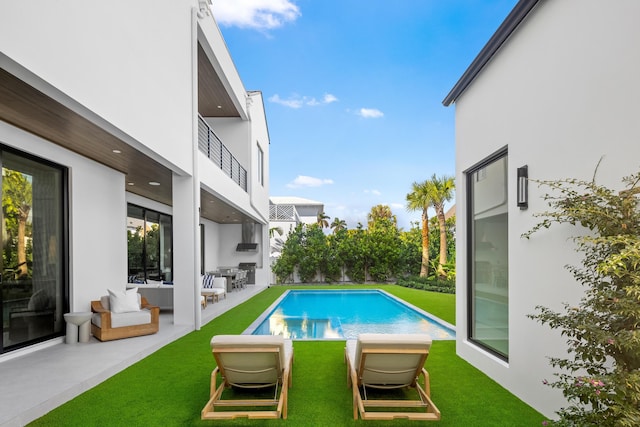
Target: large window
(150,245)
(487,243)
(34,250)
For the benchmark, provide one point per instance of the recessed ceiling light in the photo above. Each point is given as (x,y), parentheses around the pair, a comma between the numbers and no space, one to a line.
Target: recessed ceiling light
(219,106)
(130,183)
(154,183)
(117,151)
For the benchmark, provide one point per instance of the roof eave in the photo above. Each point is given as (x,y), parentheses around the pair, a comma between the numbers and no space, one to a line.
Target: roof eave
(511,22)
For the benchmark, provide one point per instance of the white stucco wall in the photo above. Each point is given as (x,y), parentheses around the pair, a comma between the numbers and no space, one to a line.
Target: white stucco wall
(97,210)
(140,51)
(562,93)
(211,244)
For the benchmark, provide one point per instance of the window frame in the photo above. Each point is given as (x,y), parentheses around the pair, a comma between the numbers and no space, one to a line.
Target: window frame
(470,246)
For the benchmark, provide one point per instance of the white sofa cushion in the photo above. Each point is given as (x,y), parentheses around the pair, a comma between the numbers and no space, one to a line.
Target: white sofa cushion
(219,283)
(118,320)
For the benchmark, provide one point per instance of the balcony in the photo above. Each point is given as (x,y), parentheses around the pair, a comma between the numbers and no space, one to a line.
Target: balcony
(214,149)
(283,213)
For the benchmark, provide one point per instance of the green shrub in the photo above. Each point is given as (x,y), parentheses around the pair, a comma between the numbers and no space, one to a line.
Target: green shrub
(445,286)
(601,376)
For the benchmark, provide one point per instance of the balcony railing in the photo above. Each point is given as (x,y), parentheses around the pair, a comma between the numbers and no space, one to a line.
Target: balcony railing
(283,213)
(214,149)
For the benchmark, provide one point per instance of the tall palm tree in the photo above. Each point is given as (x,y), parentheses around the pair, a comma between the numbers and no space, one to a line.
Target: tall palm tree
(419,200)
(338,224)
(441,189)
(323,220)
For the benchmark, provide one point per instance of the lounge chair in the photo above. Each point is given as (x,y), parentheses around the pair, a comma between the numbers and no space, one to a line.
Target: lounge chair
(387,362)
(249,362)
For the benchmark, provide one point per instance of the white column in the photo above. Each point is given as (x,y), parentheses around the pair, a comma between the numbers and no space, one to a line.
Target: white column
(186,249)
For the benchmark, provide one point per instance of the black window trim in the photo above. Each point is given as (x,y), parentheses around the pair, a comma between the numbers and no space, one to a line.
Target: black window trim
(468,174)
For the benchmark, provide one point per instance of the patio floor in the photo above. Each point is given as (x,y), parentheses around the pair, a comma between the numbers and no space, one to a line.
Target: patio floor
(35,383)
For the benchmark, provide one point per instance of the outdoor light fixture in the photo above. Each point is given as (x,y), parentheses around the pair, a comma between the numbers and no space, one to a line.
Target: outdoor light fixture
(523,187)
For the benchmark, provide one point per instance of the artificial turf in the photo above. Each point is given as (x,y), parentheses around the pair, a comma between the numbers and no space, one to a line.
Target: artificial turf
(170,387)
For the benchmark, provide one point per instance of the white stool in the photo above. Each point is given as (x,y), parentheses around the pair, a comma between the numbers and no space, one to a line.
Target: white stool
(75,321)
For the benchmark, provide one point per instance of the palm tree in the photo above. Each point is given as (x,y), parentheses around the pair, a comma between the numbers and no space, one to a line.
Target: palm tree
(322,220)
(338,224)
(274,230)
(441,189)
(380,213)
(419,200)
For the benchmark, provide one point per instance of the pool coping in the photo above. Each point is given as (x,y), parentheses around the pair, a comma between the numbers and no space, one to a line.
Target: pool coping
(263,316)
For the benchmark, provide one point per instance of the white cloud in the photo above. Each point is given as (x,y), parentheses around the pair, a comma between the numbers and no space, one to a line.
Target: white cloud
(297,101)
(257,14)
(397,206)
(370,113)
(291,102)
(308,181)
(374,192)
(329,98)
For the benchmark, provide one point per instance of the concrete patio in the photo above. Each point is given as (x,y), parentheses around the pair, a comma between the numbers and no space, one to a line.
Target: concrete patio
(37,382)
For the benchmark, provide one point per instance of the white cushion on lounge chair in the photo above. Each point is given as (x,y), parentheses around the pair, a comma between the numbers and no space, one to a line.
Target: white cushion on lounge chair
(384,362)
(252,341)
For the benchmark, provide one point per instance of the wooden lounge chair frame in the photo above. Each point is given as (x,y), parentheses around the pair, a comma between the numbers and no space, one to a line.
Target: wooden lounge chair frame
(356,380)
(280,374)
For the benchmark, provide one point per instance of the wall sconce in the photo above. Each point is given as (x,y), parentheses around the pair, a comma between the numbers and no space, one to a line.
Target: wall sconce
(523,187)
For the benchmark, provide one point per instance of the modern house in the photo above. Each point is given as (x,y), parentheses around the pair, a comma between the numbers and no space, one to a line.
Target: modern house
(130,151)
(286,212)
(555,90)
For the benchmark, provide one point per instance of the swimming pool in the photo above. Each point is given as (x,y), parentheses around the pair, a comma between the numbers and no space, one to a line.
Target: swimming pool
(343,314)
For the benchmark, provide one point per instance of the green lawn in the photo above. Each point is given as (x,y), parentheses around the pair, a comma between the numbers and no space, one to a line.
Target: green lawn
(171,386)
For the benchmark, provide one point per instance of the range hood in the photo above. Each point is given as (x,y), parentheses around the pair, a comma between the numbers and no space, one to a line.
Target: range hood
(247,244)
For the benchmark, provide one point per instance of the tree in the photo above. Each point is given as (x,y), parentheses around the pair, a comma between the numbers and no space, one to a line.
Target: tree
(601,380)
(17,199)
(379,213)
(322,220)
(441,190)
(274,230)
(420,199)
(338,225)
(382,244)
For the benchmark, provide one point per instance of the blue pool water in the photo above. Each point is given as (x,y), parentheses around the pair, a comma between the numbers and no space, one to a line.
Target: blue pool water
(345,314)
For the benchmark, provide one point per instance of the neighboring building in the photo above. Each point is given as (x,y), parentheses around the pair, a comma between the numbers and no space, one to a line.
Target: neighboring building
(555,89)
(287,212)
(141,152)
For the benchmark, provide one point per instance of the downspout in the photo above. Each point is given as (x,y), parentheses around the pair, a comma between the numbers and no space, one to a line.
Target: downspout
(195,14)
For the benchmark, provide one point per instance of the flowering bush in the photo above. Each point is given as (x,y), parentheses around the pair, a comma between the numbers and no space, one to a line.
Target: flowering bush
(601,376)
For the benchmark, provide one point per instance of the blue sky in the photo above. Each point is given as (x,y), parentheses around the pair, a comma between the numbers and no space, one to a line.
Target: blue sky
(353,91)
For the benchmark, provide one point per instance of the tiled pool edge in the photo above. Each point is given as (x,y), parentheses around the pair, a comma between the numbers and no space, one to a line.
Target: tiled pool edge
(254,325)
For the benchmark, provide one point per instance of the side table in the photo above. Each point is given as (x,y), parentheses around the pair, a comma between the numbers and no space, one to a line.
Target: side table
(78,321)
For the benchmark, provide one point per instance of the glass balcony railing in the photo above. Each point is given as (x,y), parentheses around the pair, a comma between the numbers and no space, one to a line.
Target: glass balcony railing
(214,149)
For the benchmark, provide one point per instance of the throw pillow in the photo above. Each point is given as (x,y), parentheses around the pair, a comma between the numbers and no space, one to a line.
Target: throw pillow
(207,281)
(124,301)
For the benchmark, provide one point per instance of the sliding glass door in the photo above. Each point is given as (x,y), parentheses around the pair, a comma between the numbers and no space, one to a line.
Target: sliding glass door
(34,255)
(150,245)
